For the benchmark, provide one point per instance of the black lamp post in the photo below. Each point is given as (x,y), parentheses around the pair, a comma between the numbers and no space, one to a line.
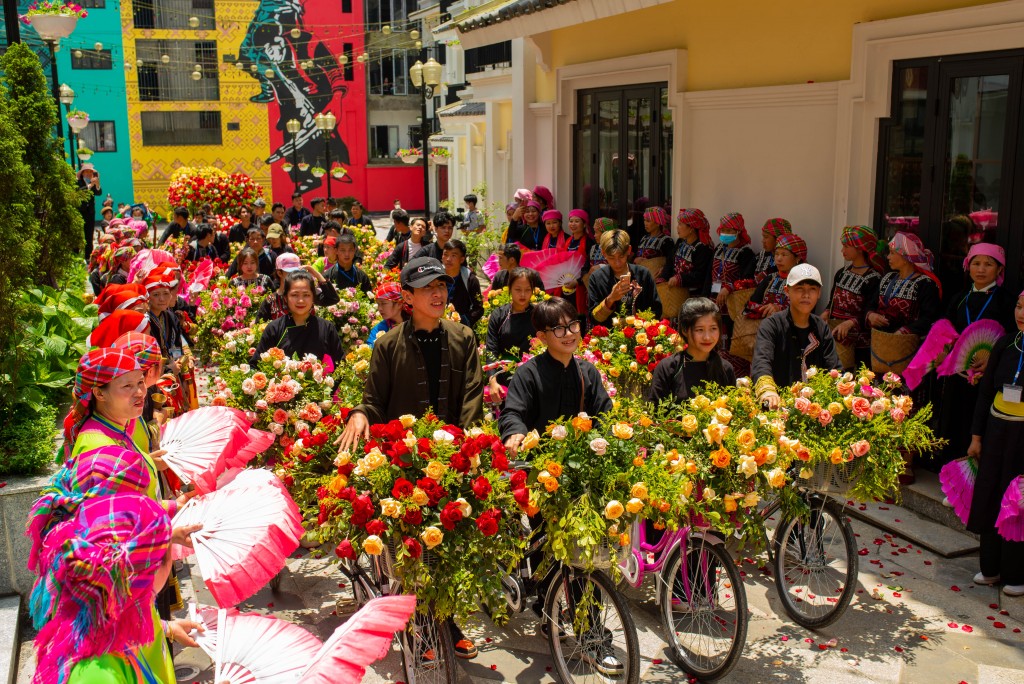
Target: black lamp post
(326,123)
(294,127)
(67,97)
(426,77)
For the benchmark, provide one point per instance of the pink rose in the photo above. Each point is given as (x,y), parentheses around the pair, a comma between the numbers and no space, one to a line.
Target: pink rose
(861,408)
(897,415)
(280,416)
(860,448)
(824,417)
(834,374)
(878,407)
(802,404)
(845,388)
(261,405)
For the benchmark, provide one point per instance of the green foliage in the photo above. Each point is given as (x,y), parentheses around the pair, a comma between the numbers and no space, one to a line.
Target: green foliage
(57,196)
(26,441)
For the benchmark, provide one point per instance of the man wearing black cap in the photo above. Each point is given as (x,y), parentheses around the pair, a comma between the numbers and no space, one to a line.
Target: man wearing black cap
(426,362)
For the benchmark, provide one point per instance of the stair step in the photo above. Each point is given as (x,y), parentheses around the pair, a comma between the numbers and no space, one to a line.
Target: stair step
(9,608)
(908,525)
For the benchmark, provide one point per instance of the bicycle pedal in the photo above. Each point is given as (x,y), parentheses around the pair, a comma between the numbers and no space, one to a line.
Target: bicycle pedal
(345,605)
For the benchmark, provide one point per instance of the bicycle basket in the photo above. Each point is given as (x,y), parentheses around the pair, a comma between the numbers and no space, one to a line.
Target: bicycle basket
(830,478)
(388,558)
(602,559)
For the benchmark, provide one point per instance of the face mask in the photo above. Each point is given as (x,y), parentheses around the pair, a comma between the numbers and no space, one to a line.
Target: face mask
(727,239)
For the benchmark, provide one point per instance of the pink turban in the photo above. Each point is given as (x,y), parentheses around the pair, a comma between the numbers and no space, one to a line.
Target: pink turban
(990,250)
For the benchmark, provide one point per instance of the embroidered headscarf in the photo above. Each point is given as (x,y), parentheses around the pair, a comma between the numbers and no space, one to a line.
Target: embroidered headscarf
(95,369)
(101,472)
(696,219)
(990,250)
(910,247)
(99,583)
(391,292)
(794,243)
(145,348)
(605,223)
(734,220)
(115,325)
(864,239)
(777,227)
(114,297)
(656,215)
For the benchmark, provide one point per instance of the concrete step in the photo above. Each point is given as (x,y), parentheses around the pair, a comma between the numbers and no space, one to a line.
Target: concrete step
(10,606)
(908,525)
(925,496)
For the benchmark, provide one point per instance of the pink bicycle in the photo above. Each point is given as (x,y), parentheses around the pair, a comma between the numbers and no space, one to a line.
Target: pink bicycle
(702,598)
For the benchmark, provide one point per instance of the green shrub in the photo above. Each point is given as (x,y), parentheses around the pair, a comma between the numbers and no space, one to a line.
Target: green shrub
(26,441)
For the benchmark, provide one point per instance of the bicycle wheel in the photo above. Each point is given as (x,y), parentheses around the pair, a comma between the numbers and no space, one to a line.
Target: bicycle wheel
(428,654)
(362,576)
(704,609)
(815,564)
(598,643)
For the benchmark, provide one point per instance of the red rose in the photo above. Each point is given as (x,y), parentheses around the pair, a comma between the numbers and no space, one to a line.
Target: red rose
(599,331)
(322,493)
(346,469)
(499,461)
(413,516)
(518,479)
(629,332)
(413,547)
(460,463)
(651,366)
(402,488)
(481,487)
(652,331)
(641,354)
(376,526)
(451,514)
(345,550)
(522,496)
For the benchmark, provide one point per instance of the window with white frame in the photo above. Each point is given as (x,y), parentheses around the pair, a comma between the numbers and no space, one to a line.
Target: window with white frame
(99,136)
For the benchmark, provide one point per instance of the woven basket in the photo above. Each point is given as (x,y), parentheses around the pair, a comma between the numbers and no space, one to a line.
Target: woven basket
(829,478)
(654,265)
(892,351)
(744,330)
(388,563)
(845,351)
(672,299)
(602,557)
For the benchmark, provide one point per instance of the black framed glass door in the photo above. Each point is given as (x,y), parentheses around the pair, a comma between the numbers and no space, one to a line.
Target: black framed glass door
(623,152)
(949,158)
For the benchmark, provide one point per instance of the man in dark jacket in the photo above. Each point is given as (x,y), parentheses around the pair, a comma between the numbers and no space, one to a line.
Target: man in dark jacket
(791,341)
(312,224)
(90,180)
(464,292)
(179,224)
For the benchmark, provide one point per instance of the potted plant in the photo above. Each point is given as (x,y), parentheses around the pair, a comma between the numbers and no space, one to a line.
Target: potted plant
(440,155)
(318,171)
(77,119)
(53,19)
(339,172)
(303,166)
(287,167)
(84,153)
(409,156)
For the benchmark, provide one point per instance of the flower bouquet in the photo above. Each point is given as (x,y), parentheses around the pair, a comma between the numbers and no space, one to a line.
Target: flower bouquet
(220,310)
(496,298)
(435,502)
(353,315)
(352,375)
(630,350)
(237,346)
(853,434)
(193,187)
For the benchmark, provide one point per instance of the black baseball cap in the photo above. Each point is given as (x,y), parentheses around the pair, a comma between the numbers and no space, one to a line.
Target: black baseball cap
(422,271)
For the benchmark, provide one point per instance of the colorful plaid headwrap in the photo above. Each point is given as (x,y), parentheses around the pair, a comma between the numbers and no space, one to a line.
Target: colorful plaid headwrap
(777,227)
(696,219)
(863,238)
(100,472)
(99,583)
(605,223)
(657,215)
(735,221)
(123,254)
(390,292)
(115,325)
(96,368)
(794,243)
(990,250)
(145,348)
(114,297)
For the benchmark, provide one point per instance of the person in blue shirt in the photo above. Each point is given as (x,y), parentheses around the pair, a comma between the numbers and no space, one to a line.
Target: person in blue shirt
(389,302)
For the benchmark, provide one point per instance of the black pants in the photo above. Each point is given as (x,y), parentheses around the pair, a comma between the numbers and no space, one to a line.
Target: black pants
(90,230)
(1002,558)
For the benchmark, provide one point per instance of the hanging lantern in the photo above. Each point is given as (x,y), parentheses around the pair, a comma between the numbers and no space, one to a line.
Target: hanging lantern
(197,67)
(419,44)
(343,60)
(165,59)
(77,54)
(414,34)
(138,62)
(386,30)
(97,46)
(239,66)
(295,33)
(253,68)
(196,75)
(269,73)
(193,22)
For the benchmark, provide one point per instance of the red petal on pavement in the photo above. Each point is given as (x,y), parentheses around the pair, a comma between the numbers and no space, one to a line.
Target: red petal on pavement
(488,640)
(2,485)
(896,520)
(844,650)
(993,605)
(1016,630)
(883,508)
(784,638)
(808,641)
(955,588)
(989,617)
(897,594)
(899,649)
(494,667)
(822,647)
(952,625)
(657,661)
(999,625)
(1003,612)
(967,628)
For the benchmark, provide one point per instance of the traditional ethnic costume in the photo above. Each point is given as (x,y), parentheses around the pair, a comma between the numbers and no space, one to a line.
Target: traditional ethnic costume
(911,304)
(691,263)
(732,267)
(855,289)
(657,245)
(772,289)
(764,263)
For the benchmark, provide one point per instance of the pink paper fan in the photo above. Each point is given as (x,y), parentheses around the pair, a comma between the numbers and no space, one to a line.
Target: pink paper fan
(929,355)
(147,260)
(259,441)
(249,648)
(957,479)
(200,277)
(491,266)
(364,639)
(198,443)
(556,268)
(977,338)
(1010,523)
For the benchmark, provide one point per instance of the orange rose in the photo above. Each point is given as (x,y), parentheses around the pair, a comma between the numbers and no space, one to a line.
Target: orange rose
(551,484)
(639,490)
(624,539)
(730,503)
(613,510)
(432,537)
(554,469)
(720,458)
(836,456)
(582,423)
(760,455)
(634,506)
(373,545)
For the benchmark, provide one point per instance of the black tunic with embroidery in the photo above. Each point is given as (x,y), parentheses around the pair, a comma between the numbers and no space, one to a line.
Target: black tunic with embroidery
(769,291)
(692,264)
(852,293)
(911,304)
(764,265)
(654,246)
(729,267)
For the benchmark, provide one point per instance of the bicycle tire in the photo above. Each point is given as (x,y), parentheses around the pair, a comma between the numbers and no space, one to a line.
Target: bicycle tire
(803,577)
(624,647)
(707,640)
(427,633)
(362,578)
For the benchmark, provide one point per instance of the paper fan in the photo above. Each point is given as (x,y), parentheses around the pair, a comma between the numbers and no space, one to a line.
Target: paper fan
(259,441)
(147,260)
(931,352)
(364,639)
(198,443)
(557,268)
(1010,523)
(975,341)
(491,266)
(200,277)
(249,530)
(957,479)
(253,648)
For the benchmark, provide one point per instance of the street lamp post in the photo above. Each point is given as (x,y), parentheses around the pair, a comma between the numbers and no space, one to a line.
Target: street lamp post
(67,97)
(325,123)
(426,77)
(294,127)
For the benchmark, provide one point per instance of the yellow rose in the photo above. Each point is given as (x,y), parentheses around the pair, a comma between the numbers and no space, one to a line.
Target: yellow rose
(343,458)
(645,421)
(408,420)
(687,488)
(464,507)
(746,439)
(375,459)
(419,497)
(730,503)
(836,456)
(622,430)
(435,470)
(614,372)
(373,545)
(613,510)
(613,530)
(701,402)
(806,473)
(531,440)
(554,468)
(776,477)
(720,402)
(634,505)
(690,423)
(630,320)
(338,483)
(723,415)
(431,537)
(639,490)
(814,410)
(835,408)
(750,500)
(390,508)
(543,476)
(624,539)
(715,432)
(641,339)
(633,366)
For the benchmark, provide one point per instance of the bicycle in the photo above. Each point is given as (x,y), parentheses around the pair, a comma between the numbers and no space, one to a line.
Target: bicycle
(702,598)
(814,557)
(428,652)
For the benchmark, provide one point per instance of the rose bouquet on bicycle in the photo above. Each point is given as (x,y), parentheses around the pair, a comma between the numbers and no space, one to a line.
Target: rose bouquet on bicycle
(435,503)
(220,310)
(854,431)
(629,351)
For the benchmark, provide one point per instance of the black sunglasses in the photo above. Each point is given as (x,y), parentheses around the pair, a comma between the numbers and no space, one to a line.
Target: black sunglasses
(562,330)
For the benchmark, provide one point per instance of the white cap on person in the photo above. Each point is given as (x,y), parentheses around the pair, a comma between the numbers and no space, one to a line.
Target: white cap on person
(802,273)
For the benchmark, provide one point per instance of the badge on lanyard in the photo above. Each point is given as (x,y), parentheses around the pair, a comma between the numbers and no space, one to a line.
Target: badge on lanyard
(716,287)
(1012,393)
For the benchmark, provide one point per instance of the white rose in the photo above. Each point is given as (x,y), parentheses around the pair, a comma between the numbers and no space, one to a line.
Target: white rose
(559,432)
(244,367)
(599,446)
(442,436)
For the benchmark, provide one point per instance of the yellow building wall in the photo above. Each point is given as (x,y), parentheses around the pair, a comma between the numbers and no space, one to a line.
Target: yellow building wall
(241,151)
(735,44)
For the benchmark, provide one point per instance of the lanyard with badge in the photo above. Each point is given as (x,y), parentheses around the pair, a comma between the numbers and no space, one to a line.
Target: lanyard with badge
(1012,392)
(967,307)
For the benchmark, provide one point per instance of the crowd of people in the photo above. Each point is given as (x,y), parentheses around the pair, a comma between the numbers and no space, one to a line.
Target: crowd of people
(100,601)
